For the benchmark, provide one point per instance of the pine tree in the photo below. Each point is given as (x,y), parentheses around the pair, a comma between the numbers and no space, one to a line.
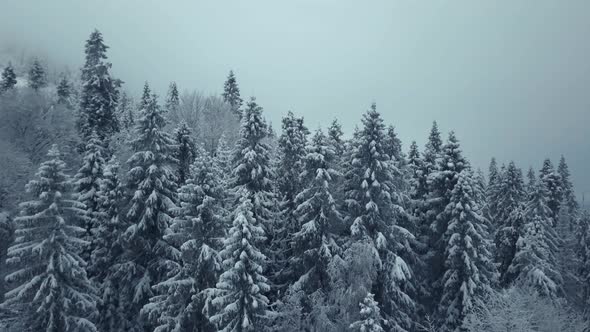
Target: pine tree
(37,76)
(583,252)
(172,100)
(493,192)
(182,302)
(468,269)
(441,183)
(431,154)
(100,94)
(52,283)
(291,155)
(186,151)
(126,111)
(152,181)
(223,158)
(252,172)
(231,94)
(108,250)
(569,196)
(64,92)
(335,137)
(318,219)
(370,316)
(239,294)
(8,78)
(415,170)
(534,262)
(510,196)
(373,216)
(552,181)
(87,182)
(531,184)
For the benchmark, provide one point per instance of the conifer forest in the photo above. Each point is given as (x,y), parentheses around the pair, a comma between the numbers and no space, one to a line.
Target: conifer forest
(187,212)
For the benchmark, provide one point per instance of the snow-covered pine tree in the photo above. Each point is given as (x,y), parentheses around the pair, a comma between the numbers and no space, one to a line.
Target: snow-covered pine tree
(108,250)
(87,182)
(152,181)
(231,94)
(318,219)
(370,317)
(534,262)
(335,138)
(239,294)
(552,182)
(415,171)
(126,111)
(37,75)
(172,101)
(49,273)
(182,301)
(373,216)
(185,152)
(252,172)
(480,188)
(100,94)
(509,197)
(441,183)
(493,191)
(531,184)
(290,165)
(223,159)
(430,156)
(583,252)
(469,272)
(64,92)
(569,195)
(8,78)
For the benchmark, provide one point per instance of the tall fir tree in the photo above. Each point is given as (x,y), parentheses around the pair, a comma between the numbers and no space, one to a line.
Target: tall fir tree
(335,136)
(64,92)
(552,182)
(469,272)
(239,294)
(37,76)
(373,215)
(100,91)
(125,111)
(231,94)
(510,197)
(569,195)
(531,184)
(318,219)
(183,301)
(185,152)
(51,281)
(441,183)
(8,78)
(291,163)
(493,191)
(87,182)
(223,158)
(534,264)
(252,159)
(108,250)
(172,100)
(152,182)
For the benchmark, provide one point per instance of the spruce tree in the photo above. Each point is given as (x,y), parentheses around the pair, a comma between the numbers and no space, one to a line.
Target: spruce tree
(186,151)
(534,263)
(569,196)
(172,101)
(370,317)
(37,76)
(108,250)
(431,154)
(126,112)
(493,191)
(87,182)
(152,182)
(291,163)
(49,273)
(223,158)
(318,219)
(100,94)
(469,272)
(182,301)
(252,172)
(552,182)
(373,216)
(531,184)
(415,170)
(8,78)
(239,294)
(64,92)
(231,94)
(335,138)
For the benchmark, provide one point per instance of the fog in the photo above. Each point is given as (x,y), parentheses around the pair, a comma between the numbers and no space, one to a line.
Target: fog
(512,78)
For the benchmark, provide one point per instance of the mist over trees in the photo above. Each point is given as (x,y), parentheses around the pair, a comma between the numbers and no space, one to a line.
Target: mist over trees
(186,212)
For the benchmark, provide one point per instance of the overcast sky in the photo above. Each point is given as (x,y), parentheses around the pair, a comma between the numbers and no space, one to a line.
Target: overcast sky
(512,78)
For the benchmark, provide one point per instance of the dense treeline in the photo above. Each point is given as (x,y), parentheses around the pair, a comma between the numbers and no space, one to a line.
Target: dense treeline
(163,216)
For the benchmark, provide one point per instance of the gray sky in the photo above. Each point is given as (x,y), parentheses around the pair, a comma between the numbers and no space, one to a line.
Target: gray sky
(511,77)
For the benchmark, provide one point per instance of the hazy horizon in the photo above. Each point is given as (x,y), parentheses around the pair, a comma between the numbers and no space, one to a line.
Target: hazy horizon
(511,78)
